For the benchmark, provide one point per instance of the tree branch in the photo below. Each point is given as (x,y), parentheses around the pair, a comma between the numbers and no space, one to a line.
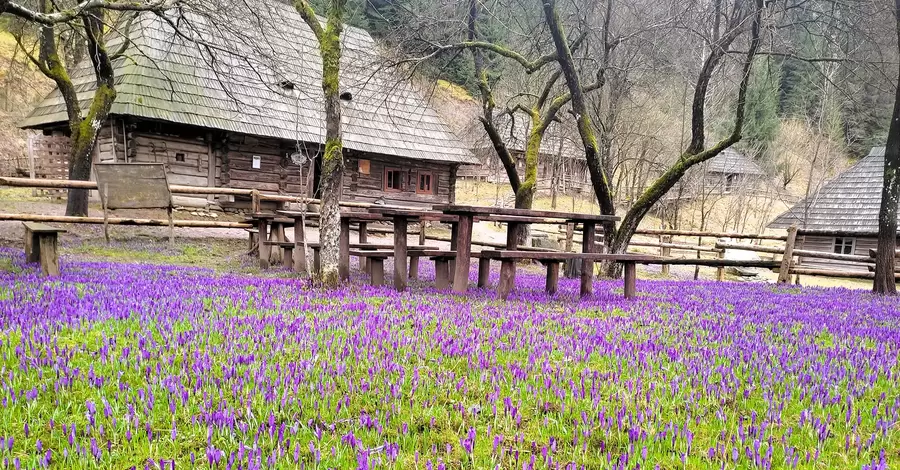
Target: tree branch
(64,16)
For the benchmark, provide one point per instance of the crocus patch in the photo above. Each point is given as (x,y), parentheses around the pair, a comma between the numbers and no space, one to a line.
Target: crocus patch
(150,366)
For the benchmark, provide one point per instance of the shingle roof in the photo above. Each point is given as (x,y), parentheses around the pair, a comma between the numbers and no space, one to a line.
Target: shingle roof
(731,161)
(849,202)
(231,81)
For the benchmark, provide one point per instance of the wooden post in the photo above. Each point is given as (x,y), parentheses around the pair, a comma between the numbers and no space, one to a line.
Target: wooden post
(784,272)
(463,253)
(665,252)
(261,237)
(344,248)
(254,201)
(720,270)
(508,266)
(376,267)
(171,226)
(630,280)
(414,260)
(288,259)
(49,256)
(400,269)
(441,273)
(105,210)
(570,266)
(484,272)
(276,234)
(587,266)
(454,243)
(300,265)
(552,277)
(363,238)
(32,247)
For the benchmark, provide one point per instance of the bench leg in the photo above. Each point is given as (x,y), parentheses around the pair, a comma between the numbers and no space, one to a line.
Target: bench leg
(344,250)
(317,260)
(552,277)
(277,235)
(288,258)
(414,268)
(484,272)
(299,251)
(253,242)
(376,265)
(442,273)
(49,256)
(32,247)
(630,278)
(507,278)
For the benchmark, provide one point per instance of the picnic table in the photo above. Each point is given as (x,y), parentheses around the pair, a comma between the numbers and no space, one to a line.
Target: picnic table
(401,219)
(515,218)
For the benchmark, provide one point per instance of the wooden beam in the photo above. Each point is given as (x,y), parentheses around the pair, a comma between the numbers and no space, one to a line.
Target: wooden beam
(64,219)
(784,273)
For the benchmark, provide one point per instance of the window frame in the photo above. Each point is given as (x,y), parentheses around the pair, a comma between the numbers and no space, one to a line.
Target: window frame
(730,182)
(431,181)
(386,179)
(840,244)
(183,158)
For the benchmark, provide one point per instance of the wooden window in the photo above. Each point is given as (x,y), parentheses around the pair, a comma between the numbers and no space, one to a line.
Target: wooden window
(844,246)
(730,183)
(393,179)
(364,167)
(179,157)
(426,183)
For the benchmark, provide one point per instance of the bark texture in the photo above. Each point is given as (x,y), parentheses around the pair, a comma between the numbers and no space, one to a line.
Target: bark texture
(885,282)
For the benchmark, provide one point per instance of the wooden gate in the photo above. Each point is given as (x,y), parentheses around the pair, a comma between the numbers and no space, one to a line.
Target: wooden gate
(48,157)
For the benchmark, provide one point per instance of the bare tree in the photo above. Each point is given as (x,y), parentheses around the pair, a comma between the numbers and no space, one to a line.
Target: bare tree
(885,282)
(329,38)
(90,19)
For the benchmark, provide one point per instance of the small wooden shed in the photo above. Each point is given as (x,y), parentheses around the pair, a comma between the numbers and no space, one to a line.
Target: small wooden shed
(842,216)
(249,113)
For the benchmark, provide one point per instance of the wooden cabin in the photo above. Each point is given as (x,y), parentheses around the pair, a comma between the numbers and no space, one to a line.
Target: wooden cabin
(251,114)
(561,158)
(842,216)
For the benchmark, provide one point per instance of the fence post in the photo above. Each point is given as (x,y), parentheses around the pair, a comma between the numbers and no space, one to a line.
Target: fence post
(720,270)
(665,252)
(254,201)
(784,272)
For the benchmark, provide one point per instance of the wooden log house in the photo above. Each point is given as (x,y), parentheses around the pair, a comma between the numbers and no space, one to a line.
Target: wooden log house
(842,216)
(259,123)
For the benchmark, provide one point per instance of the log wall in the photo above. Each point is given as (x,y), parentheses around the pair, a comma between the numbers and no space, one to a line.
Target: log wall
(371,187)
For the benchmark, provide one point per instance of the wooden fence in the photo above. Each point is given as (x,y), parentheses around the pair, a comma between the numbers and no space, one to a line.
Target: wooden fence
(687,247)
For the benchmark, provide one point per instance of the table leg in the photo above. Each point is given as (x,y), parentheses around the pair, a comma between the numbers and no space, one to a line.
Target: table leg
(454,239)
(508,267)
(300,247)
(630,280)
(344,247)
(262,248)
(463,253)
(400,269)
(32,247)
(587,266)
(276,234)
(552,277)
(363,238)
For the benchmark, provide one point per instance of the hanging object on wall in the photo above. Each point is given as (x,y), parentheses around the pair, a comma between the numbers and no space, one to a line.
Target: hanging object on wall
(257,162)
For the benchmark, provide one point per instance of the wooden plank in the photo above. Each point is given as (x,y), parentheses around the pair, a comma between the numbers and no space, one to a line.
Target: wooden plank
(121,221)
(133,185)
(483,210)
(37,227)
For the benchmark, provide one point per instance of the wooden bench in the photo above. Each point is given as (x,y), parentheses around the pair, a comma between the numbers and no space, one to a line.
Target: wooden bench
(367,248)
(553,259)
(41,242)
(375,265)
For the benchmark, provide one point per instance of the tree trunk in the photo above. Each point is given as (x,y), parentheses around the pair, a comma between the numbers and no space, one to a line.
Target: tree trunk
(887,216)
(333,158)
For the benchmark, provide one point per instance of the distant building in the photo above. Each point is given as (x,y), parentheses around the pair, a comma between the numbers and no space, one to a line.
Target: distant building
(559,153)
(731,171)
(847,206)
(251,114)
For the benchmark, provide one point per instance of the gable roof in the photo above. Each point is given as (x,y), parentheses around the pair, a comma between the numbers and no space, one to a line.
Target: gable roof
(849,202)
(227,74)
(731,161)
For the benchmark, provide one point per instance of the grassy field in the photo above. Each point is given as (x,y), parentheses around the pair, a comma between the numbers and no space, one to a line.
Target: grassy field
(117,365)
